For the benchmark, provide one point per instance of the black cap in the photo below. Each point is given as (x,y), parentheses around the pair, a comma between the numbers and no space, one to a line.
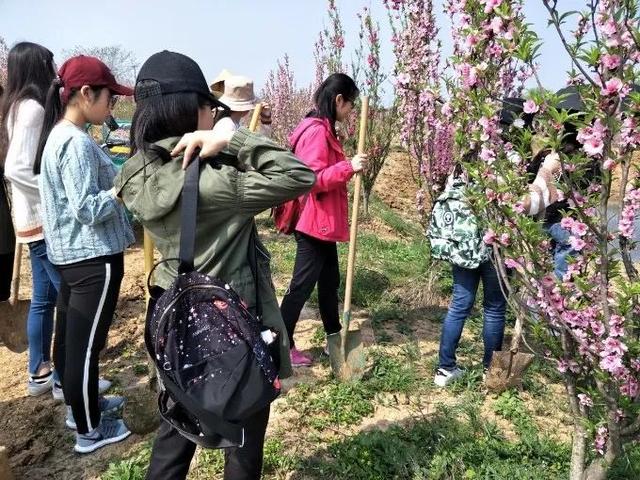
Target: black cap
(170,72)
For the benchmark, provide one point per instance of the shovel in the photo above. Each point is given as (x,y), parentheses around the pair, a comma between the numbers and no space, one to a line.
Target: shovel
(14,313)
(507,368)
(346,351)
(255,118)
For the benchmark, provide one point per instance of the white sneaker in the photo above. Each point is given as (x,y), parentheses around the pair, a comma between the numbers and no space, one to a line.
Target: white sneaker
(38,385)
(58,395)
(445,377)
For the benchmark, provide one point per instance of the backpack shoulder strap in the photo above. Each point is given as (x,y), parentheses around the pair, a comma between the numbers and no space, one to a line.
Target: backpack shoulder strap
(188,215)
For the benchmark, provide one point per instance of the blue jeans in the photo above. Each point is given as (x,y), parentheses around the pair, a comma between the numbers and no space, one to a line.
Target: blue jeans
(465,287)
(46,283)
(562,248)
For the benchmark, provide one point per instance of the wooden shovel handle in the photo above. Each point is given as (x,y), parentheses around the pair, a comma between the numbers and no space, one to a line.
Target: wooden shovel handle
(148,247)
(517,334)
(255,118)
(15,277)
(353,235)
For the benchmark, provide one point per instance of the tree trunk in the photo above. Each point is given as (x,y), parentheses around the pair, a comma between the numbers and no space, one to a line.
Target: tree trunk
(597,470)
(365,201)
(578,451)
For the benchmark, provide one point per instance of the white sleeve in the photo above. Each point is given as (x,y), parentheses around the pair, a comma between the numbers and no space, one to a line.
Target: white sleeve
(225,125)
(24,135)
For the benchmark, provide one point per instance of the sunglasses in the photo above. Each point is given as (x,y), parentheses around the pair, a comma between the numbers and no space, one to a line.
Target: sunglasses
(112,101)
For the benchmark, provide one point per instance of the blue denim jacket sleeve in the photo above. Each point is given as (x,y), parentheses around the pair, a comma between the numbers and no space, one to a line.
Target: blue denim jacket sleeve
(80,171)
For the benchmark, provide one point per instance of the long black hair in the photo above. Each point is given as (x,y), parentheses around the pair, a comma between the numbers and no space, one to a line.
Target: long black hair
(162,116)
(30,70)
(53,111)
(324,98)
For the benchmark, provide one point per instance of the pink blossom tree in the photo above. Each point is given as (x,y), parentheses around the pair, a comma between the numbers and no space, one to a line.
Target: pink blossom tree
(586,323)
(425,127)
(289,103)
(382,120)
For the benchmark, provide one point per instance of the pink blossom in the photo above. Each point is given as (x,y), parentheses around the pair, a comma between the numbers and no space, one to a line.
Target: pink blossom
(530,107)
(597,328)
(612,86)
(548,281)
(403,79)
(585,400)
(602,435)
(505,239)
(487,155)
(511,263)
(490,5)
(592,138)
(579,229)
(577,243)
(630,387)
(609,164)
(489,237)
(616,323)
(611,363)
(567,223)
(610,62)
(562,366)
(613,346)
(609,28)
(519,207)
(496,25)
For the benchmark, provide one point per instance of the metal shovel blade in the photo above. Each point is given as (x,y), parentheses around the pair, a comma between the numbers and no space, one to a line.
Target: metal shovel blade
(506,370)
(13,325)
(346,355)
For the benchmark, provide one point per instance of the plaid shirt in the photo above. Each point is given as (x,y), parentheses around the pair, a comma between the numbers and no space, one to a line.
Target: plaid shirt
(81,217)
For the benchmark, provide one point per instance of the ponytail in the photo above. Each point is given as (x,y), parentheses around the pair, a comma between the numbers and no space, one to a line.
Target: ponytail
(53,110)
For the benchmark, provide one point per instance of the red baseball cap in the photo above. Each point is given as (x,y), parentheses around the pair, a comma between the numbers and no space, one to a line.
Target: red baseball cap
(83,70)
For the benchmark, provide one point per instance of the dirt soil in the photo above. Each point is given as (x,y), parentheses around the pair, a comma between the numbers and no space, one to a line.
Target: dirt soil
(32,429)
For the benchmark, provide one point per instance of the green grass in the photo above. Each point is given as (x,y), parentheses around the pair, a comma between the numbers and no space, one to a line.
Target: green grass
(333,404)
(132,468)
(456,443)
(400,226)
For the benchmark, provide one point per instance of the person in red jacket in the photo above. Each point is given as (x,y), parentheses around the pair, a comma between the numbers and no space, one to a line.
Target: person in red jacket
(324,216)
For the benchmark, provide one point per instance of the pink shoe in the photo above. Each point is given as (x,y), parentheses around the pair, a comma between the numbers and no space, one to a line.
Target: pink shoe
(299,359)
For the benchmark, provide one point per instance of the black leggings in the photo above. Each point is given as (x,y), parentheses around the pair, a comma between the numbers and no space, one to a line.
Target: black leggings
(316,262)
(86,304)
(172,453)
(6,267)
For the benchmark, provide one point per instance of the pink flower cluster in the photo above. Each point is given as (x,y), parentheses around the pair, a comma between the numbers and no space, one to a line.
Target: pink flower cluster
(602,435)
(627,216)
(592,138)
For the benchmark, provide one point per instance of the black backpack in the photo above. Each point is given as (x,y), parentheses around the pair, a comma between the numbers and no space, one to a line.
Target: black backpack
(214,368)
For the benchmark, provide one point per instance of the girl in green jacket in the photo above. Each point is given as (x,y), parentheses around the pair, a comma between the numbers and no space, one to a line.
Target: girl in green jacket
(172,99)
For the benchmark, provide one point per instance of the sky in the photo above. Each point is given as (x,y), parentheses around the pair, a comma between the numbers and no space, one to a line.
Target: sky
(245,36)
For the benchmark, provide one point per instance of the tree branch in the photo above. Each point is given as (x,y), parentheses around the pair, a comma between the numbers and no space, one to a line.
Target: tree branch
(554,19)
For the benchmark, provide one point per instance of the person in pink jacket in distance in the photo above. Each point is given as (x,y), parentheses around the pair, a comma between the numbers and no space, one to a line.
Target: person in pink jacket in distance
(324,217)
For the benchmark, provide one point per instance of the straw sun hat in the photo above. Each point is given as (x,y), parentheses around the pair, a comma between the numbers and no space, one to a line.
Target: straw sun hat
(238,94)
